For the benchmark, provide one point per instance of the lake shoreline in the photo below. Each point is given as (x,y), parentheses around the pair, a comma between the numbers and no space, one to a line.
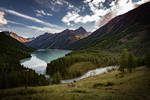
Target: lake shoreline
(41,57)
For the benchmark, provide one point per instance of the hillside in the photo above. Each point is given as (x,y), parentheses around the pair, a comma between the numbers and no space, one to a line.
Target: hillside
(12,74)
(9,46)
(130,30)
(58,40)
(108,86)
(15,36)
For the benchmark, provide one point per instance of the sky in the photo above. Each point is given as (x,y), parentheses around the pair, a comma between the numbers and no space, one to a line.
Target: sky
(31,18)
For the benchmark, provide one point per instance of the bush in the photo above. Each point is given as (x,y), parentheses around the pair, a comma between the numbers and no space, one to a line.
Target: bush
(103,84)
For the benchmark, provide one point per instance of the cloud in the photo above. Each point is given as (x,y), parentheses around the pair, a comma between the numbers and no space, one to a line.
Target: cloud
(42,13)
(142,1)
(118,8)
(26,30)
(30,18)
(41,29)
(100,13)
(56,5)
(48,27)
(21,31)
(44,29)
(2,19)
(12,22)
(94,17)
(71,16)
(76,18)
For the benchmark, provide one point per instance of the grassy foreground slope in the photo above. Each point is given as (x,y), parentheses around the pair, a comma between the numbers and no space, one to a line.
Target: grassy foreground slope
(108,86)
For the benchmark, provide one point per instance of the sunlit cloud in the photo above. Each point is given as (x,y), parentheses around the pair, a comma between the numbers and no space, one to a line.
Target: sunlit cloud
(44,29)
(100,13)
(2,18)
(56,5)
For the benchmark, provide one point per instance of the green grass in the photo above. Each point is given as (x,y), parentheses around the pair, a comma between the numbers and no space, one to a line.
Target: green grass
(108,86)
(83,66)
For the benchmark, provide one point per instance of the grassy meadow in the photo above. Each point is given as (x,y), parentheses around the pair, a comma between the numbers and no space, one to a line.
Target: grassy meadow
(108,86)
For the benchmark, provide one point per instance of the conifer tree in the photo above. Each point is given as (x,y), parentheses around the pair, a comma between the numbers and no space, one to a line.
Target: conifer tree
(123,60)
(56,78)
(131,62)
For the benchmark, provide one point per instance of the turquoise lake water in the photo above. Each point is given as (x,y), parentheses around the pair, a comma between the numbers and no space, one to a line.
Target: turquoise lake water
(39,59)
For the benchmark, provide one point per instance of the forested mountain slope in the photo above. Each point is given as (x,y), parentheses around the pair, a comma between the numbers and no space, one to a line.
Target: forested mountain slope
(12,74)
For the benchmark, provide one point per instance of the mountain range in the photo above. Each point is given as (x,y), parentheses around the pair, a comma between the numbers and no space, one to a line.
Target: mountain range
(59,40)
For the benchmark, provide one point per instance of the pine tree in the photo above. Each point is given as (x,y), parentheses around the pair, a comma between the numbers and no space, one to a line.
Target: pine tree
(131,62)
(123,60)
(56,78)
